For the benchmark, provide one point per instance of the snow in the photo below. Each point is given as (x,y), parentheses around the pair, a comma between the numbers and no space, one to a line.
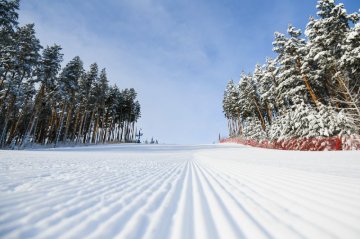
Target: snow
(204,191)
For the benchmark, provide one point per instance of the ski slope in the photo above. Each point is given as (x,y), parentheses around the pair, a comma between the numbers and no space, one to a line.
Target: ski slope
(206,191)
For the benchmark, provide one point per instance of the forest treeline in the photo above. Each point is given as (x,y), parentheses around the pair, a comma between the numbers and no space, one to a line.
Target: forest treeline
(43,103)
(311,88)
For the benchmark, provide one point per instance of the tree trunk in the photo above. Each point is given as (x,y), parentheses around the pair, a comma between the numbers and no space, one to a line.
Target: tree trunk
(76,124)
(68,122)
(96,126)
(81,126)
(260,114)
(104,126)
(20,118)
(269,112)
(61,125)
(86,132)
(6,93)
(240,126)
(306,81)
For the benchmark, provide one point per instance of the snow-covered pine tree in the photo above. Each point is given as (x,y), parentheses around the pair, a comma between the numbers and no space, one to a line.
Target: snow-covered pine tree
(128,118)
(349,63)
(71,106)
(43,124)
(231,108)
(249,100)
(67,88)
(113,100)
(135,115)
(20,89)
(293,86)
(295,122)
(8,14)
(86,100)
(226,104)
(8,25)
(312,88)
(17,85)
(270,92)
(266,89)
(331,123)
(253,129)
(328,44)
(99,93)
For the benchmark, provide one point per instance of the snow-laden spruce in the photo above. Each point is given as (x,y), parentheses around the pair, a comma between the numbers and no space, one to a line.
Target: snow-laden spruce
(311,89)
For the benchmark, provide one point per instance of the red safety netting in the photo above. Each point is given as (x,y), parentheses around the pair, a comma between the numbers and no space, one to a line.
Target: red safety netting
(304,144)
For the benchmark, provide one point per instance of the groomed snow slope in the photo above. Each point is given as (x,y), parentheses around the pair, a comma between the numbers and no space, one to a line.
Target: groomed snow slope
(214,191)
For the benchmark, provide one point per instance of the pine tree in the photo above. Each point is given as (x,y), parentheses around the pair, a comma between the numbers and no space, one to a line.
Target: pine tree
(8,25)
(293,85)
(67,88)
(326,37)
(39,105)
(99,94)
(128,117)
(43,123)
(231,108)
(20,87)
(8,14)
(253,129)
(86,101)
(249,100)
(349,64)
(17,83)
(112,102)
(350,61)
(312,89)
(264,82)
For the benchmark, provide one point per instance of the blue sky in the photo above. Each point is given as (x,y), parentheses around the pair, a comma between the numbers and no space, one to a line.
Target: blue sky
(177,54)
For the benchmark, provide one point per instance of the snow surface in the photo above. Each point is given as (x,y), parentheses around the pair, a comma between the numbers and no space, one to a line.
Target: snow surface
(206,191)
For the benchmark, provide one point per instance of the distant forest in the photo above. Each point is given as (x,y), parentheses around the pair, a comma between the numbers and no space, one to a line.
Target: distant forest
(312,87)
(43,103)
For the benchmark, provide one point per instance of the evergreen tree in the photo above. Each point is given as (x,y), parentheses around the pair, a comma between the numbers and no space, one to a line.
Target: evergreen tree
(293,85)
(249,100)
(8,14)
(327,36)
(112,102)
(19,88)
(44,120)
(86,103)
(312,89)
(99,93)
(231,108)
(264,82)
(39,105)
(8,25)
(67,88)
